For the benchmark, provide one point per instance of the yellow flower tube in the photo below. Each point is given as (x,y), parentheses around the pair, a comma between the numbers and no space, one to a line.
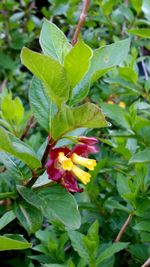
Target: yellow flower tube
(88,163)
(83,176)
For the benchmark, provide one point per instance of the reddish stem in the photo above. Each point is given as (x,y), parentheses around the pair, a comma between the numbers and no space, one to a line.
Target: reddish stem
(82,18)
(123,228)
(147,263)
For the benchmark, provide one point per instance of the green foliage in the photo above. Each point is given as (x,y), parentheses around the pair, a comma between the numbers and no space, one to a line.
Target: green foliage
(7,243)
(109,66)
(60,205)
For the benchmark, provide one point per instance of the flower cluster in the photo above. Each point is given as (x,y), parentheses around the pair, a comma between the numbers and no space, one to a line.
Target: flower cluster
(62,166)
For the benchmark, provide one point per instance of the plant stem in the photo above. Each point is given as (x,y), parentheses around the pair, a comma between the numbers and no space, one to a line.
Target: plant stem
(147,263)
(30,123)
(82,18)
(123,228)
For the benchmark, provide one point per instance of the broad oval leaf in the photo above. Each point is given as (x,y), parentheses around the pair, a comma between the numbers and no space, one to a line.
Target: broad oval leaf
(60,205)
(29,216)
(141,32)
(10,244)
(104,59)
(13,146)
(109,252)
(43,108)
(141,156)
(53,41)
(8,217)
(50,72)
(67,119)
(77,63)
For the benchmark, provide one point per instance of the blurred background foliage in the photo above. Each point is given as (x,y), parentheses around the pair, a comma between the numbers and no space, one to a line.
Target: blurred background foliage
(121,181)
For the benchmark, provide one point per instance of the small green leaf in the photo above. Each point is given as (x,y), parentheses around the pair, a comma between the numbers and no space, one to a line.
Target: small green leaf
(77,63)
(143,226)
(7,195)
(30,196)
(67,119)
(141,32)
(128,74)
(50,72)
(137,5)
(78,244)
(12,110)
(29,216)
(104,59)
(10,244)
(61,205)
(19,111)
(109,252)
(43,108)
(141,156)
(53,41)
(116,113)
(93,234)
(8,217)
(123,185)
(13,146)
(107,6)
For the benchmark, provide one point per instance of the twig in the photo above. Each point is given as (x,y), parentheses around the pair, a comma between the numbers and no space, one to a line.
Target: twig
(30,123)
(124,23)
(3,85)
(147,263)
(123,228)
(82,18)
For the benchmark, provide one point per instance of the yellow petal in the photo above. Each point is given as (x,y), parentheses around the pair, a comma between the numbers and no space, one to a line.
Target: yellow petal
(65,162)
(88,163)
(83,176)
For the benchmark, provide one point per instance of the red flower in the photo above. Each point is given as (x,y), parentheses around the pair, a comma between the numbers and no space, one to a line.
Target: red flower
(62,168)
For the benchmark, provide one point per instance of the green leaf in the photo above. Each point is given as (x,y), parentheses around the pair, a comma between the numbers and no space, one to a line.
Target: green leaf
(123,185)
(29,216)
(141,156)
(107,6)
(10,244)
(67,119)
(93,234)
(77,63)
(146,9)
(19,111)
(139,251)
(7,62)
(116,113)
(50,72)
(53,41)
(14,167)
(128,74)
(60,205)
(141,32)
(107,57)
(7,195)
(30,196)
(12,110)
(78,244)
(137,5)
(43,108)
(109,252)
(104,59)
(13,146)
(142,226)
(8,217)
